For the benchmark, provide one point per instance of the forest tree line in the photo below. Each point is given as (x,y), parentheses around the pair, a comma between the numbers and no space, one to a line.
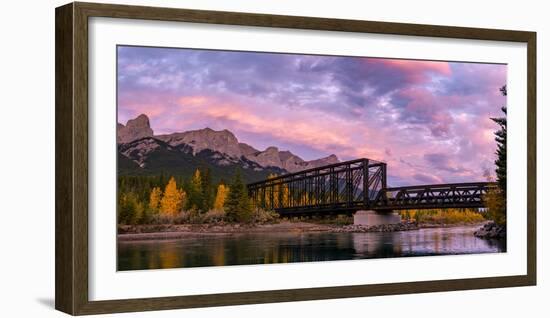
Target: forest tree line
(174,199)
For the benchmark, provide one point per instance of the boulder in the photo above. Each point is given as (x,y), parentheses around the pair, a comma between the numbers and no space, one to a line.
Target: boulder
(491,230)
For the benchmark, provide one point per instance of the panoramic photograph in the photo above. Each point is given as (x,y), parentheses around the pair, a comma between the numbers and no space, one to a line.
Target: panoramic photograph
(245,158)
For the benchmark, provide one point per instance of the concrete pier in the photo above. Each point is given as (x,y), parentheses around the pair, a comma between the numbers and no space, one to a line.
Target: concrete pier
(370,218)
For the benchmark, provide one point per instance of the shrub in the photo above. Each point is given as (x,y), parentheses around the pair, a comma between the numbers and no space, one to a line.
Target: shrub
(162,219)
(262,216)
(213,216)
(343,219)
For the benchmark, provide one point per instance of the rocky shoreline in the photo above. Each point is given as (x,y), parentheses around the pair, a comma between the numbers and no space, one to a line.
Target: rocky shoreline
(403,226)
(177,231)
(491,230)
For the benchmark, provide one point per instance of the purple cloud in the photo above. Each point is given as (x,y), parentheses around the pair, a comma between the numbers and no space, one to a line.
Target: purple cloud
(421,117)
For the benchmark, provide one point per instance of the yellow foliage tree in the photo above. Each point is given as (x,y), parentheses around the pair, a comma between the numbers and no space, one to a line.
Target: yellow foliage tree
(304,199)
(172,202)
(284,195)
(270,197)
(496,205)
(196,180)
(495,201)
(221,194)
(154,199)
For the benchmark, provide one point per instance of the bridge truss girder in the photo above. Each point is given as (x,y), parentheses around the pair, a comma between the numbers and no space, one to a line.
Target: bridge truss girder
(346,185)
(357,185)
(434,196)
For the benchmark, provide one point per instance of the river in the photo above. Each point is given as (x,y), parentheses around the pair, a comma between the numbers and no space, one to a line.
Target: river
(267,248)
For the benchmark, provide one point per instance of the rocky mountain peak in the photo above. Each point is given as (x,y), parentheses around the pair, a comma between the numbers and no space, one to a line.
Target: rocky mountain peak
(134,129)
(324,161)
(223,142)
(247,150)
(272,150)
(267,158)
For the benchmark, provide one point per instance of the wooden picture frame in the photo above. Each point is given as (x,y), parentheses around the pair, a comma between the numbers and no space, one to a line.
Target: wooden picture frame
(71,90)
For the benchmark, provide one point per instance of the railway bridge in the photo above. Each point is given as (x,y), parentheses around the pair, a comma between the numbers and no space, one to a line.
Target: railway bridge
(359,185)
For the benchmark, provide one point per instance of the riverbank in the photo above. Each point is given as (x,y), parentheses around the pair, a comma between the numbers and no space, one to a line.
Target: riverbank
(177,231)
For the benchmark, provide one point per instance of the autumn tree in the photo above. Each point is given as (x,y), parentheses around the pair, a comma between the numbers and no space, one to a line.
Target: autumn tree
(154,200)
(172,202)
(284,195)
(221,195)
(237,205)
(271,199)
(496,205)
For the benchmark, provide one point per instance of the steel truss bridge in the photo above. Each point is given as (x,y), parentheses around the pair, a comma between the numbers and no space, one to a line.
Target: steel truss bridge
(354,185)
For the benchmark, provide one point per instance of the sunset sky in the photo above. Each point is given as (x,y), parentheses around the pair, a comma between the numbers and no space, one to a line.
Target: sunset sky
(430,121)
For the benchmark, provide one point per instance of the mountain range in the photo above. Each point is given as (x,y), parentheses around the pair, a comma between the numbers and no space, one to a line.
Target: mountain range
(141,152)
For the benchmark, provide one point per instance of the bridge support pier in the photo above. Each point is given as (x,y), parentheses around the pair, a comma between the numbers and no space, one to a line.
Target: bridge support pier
(371,218)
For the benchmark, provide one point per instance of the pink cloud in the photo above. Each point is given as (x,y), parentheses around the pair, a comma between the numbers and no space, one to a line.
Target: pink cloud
(315,129)
(417,66)
(417,72)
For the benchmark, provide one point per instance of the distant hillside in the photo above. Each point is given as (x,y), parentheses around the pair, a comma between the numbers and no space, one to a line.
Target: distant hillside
(150,156)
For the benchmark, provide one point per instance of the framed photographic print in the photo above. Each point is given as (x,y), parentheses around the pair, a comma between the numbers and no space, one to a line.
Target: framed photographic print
(211,158)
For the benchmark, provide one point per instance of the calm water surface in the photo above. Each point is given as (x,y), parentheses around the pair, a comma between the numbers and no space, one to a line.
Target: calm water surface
(266,248)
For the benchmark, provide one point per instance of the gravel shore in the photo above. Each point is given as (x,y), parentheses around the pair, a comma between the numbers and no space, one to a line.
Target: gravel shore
(177,231)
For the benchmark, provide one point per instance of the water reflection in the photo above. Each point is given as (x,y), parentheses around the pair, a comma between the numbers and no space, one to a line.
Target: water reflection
(269,248)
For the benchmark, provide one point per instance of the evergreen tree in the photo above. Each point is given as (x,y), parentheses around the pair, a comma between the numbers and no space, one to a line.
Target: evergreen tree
(495,199)
(162,180)
(501,147)
(237,205)
(207,193)
(130,209)
(194,189)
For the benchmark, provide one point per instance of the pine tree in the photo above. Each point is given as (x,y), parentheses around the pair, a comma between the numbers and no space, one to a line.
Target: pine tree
(130,209)
(162,179)
(221,195)
(194,200)
(172,201)
(501,147)
(207,193)
(237,205)
(496,198)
